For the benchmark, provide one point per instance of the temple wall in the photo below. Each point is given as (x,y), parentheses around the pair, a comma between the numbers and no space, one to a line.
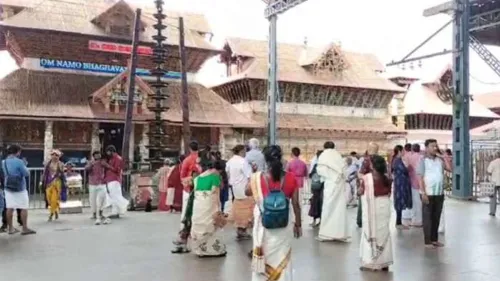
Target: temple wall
(308,141)
(81,138)
(315,109)
(443,137)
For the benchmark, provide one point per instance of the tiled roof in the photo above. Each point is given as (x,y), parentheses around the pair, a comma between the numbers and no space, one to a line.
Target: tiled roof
(422,98)
(75,16)
(361,71)
(26,93)
(333,123)
(490,100)
(20,3)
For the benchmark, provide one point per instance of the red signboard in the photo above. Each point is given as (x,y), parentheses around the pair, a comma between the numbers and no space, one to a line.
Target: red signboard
(118,48)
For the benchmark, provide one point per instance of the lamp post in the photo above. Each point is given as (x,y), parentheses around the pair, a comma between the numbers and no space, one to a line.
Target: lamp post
(274,7)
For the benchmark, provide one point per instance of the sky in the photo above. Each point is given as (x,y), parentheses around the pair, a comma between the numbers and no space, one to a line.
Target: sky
(388,28)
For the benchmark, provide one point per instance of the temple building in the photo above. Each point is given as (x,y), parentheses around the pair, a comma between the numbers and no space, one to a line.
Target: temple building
(69,91)
(492,101)
(427,108)
(324,94)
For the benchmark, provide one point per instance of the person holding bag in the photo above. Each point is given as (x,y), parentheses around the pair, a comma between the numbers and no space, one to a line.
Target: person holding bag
(316,200)
(16,195)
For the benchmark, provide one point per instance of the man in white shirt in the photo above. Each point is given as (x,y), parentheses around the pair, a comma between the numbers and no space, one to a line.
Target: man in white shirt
(494,176)
(239,171)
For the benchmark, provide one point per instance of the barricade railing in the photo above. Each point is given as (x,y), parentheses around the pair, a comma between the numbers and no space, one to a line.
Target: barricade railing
(37,194)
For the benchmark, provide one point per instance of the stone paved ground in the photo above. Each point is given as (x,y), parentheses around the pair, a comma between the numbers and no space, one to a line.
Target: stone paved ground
(138,248)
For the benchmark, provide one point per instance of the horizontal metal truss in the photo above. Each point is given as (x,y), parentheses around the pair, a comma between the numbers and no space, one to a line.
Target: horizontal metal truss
(484,21)
(281,6)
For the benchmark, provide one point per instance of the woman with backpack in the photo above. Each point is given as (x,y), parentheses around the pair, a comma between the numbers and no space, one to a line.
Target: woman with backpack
(272,190)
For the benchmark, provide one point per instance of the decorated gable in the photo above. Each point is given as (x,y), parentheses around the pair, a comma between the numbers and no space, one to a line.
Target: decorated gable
(118,19)
(332,61)
(114,95)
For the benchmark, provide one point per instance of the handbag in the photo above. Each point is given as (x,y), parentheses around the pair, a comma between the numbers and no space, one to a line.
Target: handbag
(316,183)
(12,183)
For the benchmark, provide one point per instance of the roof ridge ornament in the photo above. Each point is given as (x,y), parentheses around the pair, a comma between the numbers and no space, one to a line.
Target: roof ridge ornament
(331,61)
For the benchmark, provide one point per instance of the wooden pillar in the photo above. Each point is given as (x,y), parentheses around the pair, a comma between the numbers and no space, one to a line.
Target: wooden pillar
(2,133)
(48,141)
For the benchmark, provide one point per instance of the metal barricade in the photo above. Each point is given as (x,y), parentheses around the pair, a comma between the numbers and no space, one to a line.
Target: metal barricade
(37,195)
(482,153)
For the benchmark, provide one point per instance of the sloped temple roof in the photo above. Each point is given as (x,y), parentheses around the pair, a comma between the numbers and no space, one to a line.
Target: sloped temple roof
(76,16)
(423,97)
(38,94)
(296,64)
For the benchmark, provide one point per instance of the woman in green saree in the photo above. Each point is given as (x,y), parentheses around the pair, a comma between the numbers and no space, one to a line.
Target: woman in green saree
(207,218)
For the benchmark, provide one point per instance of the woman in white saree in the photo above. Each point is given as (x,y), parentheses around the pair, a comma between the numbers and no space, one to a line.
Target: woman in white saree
(207,218)
(376,244)
(272,250)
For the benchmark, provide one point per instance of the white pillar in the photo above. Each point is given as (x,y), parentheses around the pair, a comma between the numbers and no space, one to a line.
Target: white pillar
(48,141)
(182,144)
(144,142)
(95,141)
(131,146)
(222,143)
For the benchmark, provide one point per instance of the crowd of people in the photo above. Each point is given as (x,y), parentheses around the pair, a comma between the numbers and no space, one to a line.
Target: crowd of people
(268,194)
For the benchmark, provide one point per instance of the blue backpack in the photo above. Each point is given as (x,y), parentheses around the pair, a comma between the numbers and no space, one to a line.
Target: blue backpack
(275,209)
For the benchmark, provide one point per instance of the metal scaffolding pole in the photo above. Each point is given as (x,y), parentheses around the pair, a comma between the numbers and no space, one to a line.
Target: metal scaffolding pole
(272,84)
(274,7)
(462,184)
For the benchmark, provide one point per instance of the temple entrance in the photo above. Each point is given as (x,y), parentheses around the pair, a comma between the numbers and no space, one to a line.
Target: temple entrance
(111,134)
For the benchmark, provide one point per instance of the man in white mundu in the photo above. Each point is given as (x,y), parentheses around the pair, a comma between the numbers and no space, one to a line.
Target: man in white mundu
(331,167)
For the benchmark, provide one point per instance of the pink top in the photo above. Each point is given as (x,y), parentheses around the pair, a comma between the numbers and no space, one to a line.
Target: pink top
(96,173)
(414,159)
(299,169)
